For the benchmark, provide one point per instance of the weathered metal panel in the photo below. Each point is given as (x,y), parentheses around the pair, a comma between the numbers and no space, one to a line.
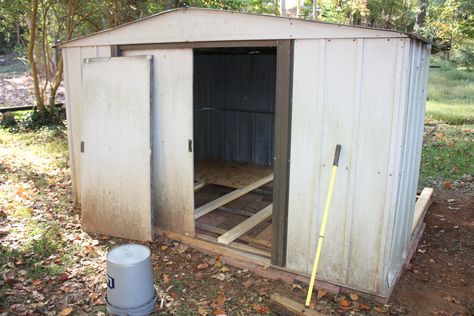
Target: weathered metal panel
(116,157)
(172,122)
(346,92)
(73,62)
(193,25)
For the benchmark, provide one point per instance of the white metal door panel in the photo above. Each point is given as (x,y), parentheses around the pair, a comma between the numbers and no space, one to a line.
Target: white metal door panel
(173,170)
(116,153)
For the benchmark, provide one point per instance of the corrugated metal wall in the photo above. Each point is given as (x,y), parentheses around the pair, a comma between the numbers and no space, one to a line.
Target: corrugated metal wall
(413,126)
(234,105)
(353,92)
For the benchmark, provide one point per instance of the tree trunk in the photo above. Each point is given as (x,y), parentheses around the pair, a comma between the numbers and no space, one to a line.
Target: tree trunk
(315,9)
(282,8)
(31,57)
(421,14)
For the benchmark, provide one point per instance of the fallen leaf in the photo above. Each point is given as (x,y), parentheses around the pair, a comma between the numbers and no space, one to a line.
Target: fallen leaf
(202,266)
(261,309)
(322,293)
(363,306)
(36,282)
(219,276)
(164,248)
(354,296)
(247,284)
(451,299)
(181,248)
(224,269)
(220,300)
(448,185)
(344,303)
(202,311)
(219,312)
(66,311)
(166,278)
(379,309)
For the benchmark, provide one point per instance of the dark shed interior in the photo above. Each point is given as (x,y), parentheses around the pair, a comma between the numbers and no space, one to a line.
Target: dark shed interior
(234,104)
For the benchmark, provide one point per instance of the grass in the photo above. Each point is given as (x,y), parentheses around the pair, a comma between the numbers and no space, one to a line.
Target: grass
(448,153)
(450,94)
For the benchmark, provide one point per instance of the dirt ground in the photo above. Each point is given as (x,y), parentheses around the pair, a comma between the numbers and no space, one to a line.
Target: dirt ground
(440,278)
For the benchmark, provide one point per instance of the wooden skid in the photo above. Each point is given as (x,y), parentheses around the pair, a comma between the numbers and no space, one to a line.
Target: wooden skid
(421,206)
(209,207)
(246,225)
(246,238)
(293,307)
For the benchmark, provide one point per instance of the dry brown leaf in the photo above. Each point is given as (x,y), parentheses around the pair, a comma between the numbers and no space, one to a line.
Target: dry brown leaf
(448,185)
(354,296)
(247,284)
(202,311)
(363,306)
(344,303)
(380,309)
(261,309)
(36,282)
(451,299)
(202,266)
(219,312)
(224,269)
(166,278)
(322,293)
(66,311)
(220,300)
(164,248)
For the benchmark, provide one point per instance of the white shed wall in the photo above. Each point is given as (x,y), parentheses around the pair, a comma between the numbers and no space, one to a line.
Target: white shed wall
(351,92)
(73,58)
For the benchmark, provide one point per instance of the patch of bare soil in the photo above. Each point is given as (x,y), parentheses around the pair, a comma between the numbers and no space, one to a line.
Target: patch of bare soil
(16,88)
(440,278)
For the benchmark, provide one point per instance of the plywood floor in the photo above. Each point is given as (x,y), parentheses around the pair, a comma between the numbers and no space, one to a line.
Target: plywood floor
(228,173)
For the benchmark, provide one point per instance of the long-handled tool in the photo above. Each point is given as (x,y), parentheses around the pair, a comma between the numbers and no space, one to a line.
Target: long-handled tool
(322,230)
(295,307)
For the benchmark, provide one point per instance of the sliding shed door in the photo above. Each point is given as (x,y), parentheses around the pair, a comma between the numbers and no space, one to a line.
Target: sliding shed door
(116,190)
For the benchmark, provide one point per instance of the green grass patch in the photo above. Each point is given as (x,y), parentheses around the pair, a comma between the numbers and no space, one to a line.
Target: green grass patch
(448,154)
(450,94)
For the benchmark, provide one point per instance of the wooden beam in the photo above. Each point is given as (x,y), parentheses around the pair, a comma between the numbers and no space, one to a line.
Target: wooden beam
(237,246)
(292,306)
(246,225)
(211,206)
(246,238)
(210,245)
(421,206)
(199,185)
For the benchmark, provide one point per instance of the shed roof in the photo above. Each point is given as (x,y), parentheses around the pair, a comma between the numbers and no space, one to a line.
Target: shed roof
(201,25)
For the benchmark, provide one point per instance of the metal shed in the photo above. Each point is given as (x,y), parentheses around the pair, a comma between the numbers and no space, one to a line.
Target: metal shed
(168,111)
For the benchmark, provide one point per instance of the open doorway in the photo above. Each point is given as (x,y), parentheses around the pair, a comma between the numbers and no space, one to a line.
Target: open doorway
(234,137)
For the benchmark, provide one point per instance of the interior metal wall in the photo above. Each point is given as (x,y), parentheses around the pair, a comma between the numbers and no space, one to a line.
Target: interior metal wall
(234,106)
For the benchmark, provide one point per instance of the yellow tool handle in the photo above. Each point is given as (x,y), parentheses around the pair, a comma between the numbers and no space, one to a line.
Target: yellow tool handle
(322,230)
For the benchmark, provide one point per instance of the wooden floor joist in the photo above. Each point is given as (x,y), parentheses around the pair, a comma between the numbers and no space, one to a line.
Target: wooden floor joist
(421,206)
(238,246)
(246,225)
(246,238)
(211,206)
(199,185)
(292,306)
